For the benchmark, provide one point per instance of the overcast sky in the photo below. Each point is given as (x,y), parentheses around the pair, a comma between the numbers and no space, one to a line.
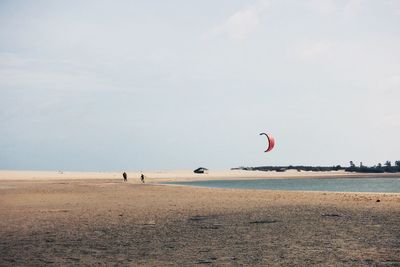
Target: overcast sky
(152,85)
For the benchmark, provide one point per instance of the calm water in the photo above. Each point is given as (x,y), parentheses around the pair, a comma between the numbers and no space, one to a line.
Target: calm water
(384,185)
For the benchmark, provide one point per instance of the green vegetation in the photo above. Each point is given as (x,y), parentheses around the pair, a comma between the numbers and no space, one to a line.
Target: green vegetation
(387,167)
(379,168)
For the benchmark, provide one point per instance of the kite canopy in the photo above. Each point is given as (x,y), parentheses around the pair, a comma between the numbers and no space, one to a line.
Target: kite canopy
(271,142)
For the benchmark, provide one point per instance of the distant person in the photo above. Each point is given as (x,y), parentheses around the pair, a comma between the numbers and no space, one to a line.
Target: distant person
(142,178)
(125,177)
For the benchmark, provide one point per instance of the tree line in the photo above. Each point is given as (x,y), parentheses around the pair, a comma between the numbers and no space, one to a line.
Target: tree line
(379,168)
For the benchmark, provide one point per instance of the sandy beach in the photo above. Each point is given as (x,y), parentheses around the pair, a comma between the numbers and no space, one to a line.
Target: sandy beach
(54,218)
(180,175)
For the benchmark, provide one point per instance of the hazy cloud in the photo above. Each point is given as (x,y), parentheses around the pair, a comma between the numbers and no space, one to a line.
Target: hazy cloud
(347,8)
(323,7)
(242,24)
(311,51)
(32,73)
(352,8)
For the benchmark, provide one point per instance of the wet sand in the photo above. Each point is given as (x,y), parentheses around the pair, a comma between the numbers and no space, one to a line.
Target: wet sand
(108,222)
(182,175)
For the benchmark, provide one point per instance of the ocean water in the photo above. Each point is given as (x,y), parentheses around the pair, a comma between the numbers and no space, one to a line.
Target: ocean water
(381,185)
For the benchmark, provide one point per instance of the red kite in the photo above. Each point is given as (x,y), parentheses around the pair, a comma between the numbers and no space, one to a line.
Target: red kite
(271,142)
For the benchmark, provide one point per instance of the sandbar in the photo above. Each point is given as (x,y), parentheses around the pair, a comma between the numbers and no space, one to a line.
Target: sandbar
(97,219)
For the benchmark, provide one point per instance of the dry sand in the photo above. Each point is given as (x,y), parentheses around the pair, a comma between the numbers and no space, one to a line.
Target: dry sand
(182,175)
(49,218)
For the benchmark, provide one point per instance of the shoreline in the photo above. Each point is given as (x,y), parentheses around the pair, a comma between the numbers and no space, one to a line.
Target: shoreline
(278,190)
(183,175)
(162,178)
(281,190)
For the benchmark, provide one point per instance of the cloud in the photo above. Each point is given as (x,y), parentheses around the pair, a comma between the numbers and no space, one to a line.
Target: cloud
(242,24)
(17,71)
(311,51)
(352,8)
(323,7)
(11,60)
(390,84)
(395,6)
(348,8)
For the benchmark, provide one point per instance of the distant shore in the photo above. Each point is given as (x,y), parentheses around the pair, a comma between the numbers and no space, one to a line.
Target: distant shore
(181,175)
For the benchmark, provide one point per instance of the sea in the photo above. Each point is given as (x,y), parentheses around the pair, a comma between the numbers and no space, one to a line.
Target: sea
(376,185)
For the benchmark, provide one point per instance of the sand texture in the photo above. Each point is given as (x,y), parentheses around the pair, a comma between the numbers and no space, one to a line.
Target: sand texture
(108,222)
(183,175)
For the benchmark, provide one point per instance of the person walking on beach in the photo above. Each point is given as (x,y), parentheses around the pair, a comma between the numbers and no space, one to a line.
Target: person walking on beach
(125,177)
(142,178)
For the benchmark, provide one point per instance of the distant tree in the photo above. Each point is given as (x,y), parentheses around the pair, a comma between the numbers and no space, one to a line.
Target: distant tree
(361,165)
(397,164)
(388,163)
(352,167)
(379,168)
(337,167)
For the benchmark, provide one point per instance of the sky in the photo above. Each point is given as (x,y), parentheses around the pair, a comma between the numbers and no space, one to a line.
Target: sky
(162,85)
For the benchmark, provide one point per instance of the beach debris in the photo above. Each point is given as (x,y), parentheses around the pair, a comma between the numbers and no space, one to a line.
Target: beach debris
(211,226)
(378,200)
(201,170)
(264,221)
(10,259)
(390,263)
(206,261)
(271,141)
(202,261)
(147,223)
(7,187)
(73,258)
(198,218)
(227,258)
(55,210)
(368,261)
(331,215)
